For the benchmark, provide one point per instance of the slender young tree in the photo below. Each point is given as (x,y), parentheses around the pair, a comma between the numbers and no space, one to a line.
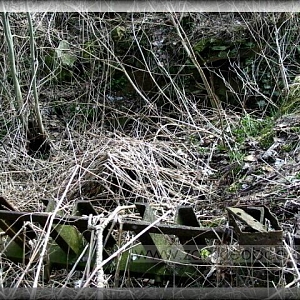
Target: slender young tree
(35,134)
(22,111)
(34,67)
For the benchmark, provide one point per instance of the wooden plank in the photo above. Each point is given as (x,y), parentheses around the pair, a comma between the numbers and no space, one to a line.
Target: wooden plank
(12,227)
(185,215)
(5,205)
(247,219)
(148,240)
(11,231)
(82,224)
(67,237)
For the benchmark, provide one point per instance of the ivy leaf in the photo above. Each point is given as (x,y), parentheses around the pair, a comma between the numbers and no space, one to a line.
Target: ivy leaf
(64,53)
(267,86)
(250,45)
(200,46)
(221,48)
(222,54)
(118,33)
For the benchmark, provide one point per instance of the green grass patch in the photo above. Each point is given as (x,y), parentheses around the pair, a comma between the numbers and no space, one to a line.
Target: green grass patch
(260,129)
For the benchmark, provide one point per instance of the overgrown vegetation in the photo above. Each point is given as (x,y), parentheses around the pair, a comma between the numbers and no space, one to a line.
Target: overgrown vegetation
(195,109)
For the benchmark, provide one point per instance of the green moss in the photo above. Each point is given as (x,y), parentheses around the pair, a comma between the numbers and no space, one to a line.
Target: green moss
(139,260)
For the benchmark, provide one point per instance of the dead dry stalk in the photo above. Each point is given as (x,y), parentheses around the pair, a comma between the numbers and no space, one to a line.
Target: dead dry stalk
(50,223)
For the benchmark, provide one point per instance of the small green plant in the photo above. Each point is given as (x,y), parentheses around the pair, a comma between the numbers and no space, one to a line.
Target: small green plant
(119,82)
(295,129)
(118,33)
(291,103)
(262,129)
(203,150)
(287,147)
(221,147)
(64,54)
(234,187)
(236,156)
(266,138)
(194,140)
(204,253)
(250,126)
